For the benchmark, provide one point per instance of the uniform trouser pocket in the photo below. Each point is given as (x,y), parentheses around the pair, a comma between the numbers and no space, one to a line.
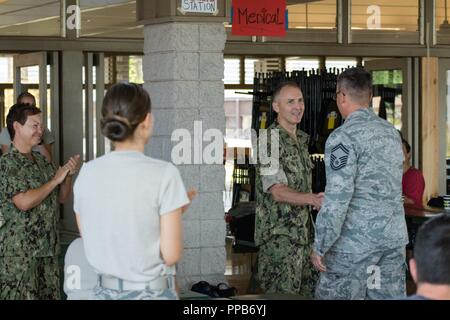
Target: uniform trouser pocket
(372,275)
(337,282)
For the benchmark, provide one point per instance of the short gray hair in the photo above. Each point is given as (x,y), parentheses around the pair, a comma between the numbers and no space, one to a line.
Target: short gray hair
(357,83)
(282,85)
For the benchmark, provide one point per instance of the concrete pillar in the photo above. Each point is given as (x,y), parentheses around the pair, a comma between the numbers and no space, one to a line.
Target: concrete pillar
(183,72)
(71,125)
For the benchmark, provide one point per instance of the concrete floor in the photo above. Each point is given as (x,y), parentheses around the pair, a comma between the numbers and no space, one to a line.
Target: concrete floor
(239,268)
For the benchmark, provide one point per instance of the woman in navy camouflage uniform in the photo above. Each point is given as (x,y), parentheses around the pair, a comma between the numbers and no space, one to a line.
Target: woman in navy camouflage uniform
(28,211)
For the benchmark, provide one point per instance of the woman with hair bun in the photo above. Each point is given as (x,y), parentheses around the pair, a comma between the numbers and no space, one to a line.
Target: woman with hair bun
(128,206)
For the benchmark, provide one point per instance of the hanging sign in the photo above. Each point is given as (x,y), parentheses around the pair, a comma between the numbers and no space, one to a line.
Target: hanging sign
(259,18)
(199,6)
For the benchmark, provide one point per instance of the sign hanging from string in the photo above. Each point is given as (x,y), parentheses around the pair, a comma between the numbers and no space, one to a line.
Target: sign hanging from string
(259,18)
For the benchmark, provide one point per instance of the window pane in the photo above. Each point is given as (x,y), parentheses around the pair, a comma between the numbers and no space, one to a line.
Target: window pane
(232,71)
(238,113)
(249,70)
(308,21)
(387,15)
(30,18)
(109,70)
(35,93)
(9,101)
(238,117)
(298,63)
(387,95)
(6,65)
(115,19)
(313,15)
(122,68)
(29,75)
(442,22)
(135,72)
(266,65)
(340,63)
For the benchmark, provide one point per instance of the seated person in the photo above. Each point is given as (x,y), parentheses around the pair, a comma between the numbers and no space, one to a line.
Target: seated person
(44,147)
(413,183)
(80,278)
(430,265)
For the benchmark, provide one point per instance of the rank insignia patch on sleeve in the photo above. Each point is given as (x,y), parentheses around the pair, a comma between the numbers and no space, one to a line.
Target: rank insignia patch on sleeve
(339,157)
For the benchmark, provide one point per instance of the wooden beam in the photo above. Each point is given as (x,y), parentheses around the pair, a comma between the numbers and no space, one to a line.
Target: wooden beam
(430,127)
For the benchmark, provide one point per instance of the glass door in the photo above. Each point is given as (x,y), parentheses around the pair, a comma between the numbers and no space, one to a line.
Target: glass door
(393,96)
(390,90)
(444,125)
(37,73)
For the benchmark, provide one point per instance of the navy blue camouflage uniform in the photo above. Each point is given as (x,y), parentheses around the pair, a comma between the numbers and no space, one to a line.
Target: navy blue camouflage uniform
(29,245)
(284,232)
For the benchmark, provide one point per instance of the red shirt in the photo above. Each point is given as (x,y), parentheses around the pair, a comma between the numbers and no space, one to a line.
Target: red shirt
(413,185)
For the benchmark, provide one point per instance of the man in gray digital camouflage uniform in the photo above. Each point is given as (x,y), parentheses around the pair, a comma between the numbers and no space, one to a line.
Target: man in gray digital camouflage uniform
(283,226)
(361,232)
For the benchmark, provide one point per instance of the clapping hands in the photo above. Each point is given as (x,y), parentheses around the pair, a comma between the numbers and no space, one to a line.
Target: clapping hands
(69,169)
(72,165)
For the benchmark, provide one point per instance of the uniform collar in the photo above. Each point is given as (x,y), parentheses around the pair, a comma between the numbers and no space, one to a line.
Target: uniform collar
(302,137)
(360,113)
(13,150)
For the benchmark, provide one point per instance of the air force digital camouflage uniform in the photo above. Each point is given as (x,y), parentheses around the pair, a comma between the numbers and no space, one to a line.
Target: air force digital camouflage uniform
(283,232)
(28,240)
(361,229)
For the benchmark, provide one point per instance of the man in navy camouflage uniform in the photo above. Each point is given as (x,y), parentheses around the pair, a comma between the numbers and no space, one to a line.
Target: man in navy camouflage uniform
(361,232)
(283,226)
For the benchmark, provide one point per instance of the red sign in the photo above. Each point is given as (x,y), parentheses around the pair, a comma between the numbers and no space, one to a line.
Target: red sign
(259,18)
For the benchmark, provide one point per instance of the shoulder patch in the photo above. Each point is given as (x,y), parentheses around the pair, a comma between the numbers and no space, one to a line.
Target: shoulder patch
(339,157)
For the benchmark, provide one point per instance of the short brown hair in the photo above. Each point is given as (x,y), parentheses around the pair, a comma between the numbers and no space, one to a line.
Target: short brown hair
(19,112)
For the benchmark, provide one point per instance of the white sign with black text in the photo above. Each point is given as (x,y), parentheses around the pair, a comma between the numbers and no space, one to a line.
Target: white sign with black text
(199,6)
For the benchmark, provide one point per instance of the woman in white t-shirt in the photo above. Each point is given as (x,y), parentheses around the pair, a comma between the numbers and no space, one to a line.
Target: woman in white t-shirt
(128,206)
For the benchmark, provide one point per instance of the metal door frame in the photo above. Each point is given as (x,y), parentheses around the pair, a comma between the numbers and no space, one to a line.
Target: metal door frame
(43,59)
(29,60)
(92,60)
